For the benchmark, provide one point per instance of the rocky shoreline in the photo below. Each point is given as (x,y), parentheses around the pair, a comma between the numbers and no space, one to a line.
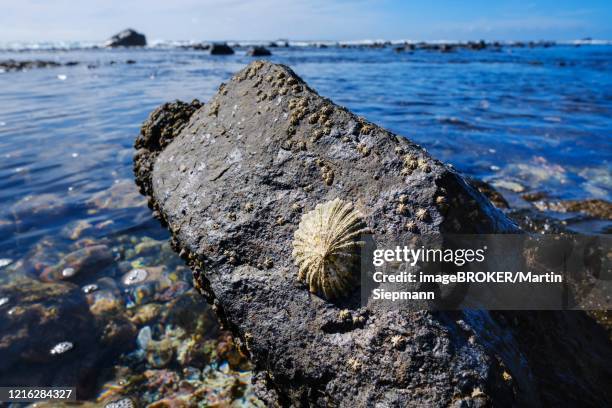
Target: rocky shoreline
(231,178)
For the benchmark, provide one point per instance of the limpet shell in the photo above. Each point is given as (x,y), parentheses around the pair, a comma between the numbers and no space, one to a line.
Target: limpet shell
(326,248)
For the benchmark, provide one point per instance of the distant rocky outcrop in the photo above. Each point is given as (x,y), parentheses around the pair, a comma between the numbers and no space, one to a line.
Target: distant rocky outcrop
(258,52)
(221,49)
(25,65)
(127,38)
(231,180)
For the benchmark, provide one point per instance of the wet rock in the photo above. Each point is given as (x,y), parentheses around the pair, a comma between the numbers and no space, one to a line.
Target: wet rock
(34,208)
(81,265)
(595,208)
(258,52)
(269,140)
(127,38)
(491,193)
(148,247)
(13,65)
(534,196)
(76,229)
(510,185)
(221,49)
(48,337)
(122,194)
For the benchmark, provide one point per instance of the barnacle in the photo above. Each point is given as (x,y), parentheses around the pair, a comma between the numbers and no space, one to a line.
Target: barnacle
(363,149)
(411,226)
(423,165)
(327,174)
(344,314)
(326,248)
(398,341)
(422,214)
(316,135)
(214,109)
(366,129)
(410,162)
(401,208)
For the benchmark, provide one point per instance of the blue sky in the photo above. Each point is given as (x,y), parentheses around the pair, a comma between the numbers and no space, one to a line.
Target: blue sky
(93,20)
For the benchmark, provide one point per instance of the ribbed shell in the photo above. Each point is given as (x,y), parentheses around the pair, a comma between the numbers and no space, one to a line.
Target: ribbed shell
(326,248)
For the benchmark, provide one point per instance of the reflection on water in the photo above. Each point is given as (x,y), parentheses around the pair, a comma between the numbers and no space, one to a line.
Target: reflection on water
(78,243)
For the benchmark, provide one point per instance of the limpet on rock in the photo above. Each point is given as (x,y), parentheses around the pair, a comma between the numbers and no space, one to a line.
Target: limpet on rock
(68,272)
(61,348)
(135,276)
(326,248)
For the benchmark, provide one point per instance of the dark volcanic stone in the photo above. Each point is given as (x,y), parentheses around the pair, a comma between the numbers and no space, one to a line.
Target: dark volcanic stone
(221,49)
(127,38)
(231,183)
(258,52)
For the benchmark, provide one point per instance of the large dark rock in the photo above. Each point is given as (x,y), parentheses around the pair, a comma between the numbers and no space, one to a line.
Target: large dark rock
(127,38)
(231,186)
(221,49)
(258,52)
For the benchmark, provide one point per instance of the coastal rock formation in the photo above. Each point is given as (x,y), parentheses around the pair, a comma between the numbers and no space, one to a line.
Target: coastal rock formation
(13,65)
(231,180)
(221,49)
(258,52)
(127,38)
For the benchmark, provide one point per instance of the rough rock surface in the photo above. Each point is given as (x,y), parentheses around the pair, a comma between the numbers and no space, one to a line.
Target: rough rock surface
(231,180)
(127,38)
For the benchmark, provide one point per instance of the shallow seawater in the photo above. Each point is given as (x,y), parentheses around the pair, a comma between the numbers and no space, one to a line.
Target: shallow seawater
(525,119)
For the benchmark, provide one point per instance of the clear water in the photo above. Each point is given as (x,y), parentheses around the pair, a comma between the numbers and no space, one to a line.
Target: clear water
(539,117)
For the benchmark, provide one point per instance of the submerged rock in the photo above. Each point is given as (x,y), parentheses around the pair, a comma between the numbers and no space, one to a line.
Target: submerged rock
(48,337)
(80,265)
(34,208)
(221,49)
(232,186)
(121,194)
(127,38)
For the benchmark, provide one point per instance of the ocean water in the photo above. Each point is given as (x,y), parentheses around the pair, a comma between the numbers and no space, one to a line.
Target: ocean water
(525,119)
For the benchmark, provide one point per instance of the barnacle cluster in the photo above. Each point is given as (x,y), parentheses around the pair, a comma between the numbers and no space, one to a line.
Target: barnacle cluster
(413,162)
(327,174)
(363,149)
(326,248)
